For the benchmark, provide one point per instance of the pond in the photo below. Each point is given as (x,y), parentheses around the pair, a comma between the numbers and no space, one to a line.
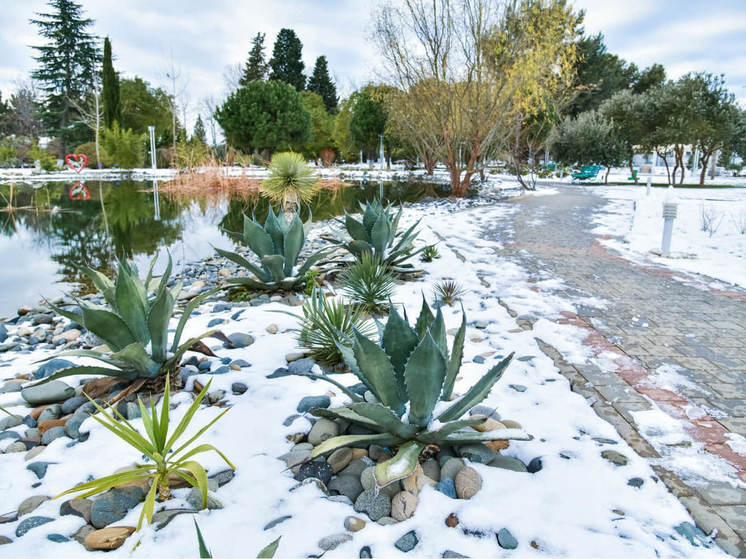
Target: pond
(48,231)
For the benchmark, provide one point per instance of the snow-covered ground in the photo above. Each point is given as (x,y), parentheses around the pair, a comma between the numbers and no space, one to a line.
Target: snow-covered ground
(635,221)
(578,505)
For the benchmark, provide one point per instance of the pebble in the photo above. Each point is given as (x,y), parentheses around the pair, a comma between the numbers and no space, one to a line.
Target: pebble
(51,367)
(448,554)
(615,457)
(468,482)
(5,540)
(272,328)
(77,507)
(39,468)
(335,540)
(114,505)
(508,463)
(431,469)
(294,356)
(108,538)
(407,542)
(195,501)
(30,504)
(403,505)
(452,520)
(451,467)
(322,430)
(301,366)
(309,402)
(488,425)
(365,552)
(53,434)
(318,470)
(239,339)
(636,482)
(339,459)
(15,447)
(57,538)
(354,524)
(447,487)
(481,324)
(295,457)
(518,387)
(506,540)
(49,393)
(510,424)
(535,465)
(6,422)
(72,404)
(355,468)
(376,506)
(378,454)
(478,453)
(31,523)
(34,452)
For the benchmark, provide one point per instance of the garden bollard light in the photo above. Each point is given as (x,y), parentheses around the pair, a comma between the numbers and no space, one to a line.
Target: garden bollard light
(669,214)
(647,192)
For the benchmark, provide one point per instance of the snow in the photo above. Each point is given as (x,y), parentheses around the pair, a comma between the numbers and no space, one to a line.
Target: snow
(569,508)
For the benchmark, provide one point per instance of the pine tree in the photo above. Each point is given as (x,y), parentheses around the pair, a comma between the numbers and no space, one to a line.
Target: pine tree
(255,68)
(199,130)
(321,83)
(286,64)
(67,67)
(112,106)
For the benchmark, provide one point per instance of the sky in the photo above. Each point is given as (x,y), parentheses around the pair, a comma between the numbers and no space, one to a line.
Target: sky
(204,38)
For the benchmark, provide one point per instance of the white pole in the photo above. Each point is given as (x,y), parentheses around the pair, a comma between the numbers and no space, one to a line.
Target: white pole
(151,130)
(381,157)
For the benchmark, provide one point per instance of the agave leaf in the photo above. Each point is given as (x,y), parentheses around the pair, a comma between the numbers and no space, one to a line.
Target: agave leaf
(346,414)
(249,282)
(424,374)
(274,265)
(102,283)
(380,235)
(454,363)
(400,466)
(476,393)
(357,248)
(438,332)
(375,365)
(293,244)
(424,320)
(396,218)
(269,551)
(256,238)
(75,317)
(241,261)
(434,437)
(89,370)
(398,341)
(334,443)
(136,357)
(311,260)
(276,230)
(173,361)
(131,302)
(165,276)
(355,228)
(370,215)
(498,435)
(107,326)
(160,313)
(387,421)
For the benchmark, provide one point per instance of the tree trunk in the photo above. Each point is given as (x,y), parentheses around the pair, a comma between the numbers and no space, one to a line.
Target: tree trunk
(606,178)
(632,173)
(665,162)
(704,160)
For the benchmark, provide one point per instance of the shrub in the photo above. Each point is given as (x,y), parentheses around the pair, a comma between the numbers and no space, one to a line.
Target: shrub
(368,283)
(277,244)
(47,160)
(89,149)
(411,373)
(191,154)
(291,182)
(448,292)
(429,253)
(125,148)
(8,156)
(163,456)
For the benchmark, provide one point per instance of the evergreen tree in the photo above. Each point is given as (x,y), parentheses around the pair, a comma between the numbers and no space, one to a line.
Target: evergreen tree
(199,130)
(112,106)
(67,68)
(255,68)
(286,64)
(321,83)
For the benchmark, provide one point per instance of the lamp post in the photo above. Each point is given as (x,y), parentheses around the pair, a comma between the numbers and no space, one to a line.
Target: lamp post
(381,155)
(670,208)
(151,131)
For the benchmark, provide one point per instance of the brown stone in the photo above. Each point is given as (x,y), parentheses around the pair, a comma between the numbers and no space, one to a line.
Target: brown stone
(403,505)
(497,446)
(468,482)
(47,424)
(99,387)
(108,538)
(452,520)
(488,425)
(36,412)
(358,453)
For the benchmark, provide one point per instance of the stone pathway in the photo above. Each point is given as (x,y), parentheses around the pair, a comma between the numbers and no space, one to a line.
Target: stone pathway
(650,320)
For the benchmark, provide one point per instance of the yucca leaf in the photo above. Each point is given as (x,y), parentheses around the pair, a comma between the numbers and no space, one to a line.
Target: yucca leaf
(476,393)
(204,553)
(200,475)
(138,359)
(187,418)
(382,417)
(269,551)
(375,365)
(256,238)
(334,443)
(402,465)
(398,341)
(158,317)
(424,374)
(205,447)
(424,320)
(107,326)
(355,229)
(105,483)
(454,363)
(160,424)
(149,504)
(294,238)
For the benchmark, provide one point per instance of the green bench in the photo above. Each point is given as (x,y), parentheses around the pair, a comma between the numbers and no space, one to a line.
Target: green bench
(635,175)
(587,172)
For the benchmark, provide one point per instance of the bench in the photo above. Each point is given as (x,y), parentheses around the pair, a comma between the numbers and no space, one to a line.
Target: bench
(587,172)
(635,175)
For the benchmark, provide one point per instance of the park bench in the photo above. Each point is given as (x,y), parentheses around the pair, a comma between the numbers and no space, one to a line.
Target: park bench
(635,175)
(587,172)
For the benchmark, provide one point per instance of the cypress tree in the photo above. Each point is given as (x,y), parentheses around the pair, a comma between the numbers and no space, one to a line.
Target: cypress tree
(199,130)
(112,106)
(321,83)
(255,68)
(66,68)
(286,64)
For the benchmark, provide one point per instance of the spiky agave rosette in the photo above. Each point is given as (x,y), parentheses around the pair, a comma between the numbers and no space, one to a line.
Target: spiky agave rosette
(411,374)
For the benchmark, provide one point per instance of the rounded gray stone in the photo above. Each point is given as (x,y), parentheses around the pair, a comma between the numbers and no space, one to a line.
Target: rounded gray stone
(376,506)
(49,393)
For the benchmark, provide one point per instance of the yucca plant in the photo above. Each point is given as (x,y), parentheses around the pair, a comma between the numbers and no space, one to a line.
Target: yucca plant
(368,283)
(448,292)
(377,234)
(328,321)
(429,253)
(135,327)
(277,244)
(159,448)
(291,181)
(412,375)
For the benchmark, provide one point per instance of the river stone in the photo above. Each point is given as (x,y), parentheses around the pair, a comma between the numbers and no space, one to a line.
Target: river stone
(355,468)
(322,430)
(295,457)
(335,540)
(478,453)
(468,482)
(51,367)
(5,540)
(108,538)
(50,412)
(9,435)
(535,465)
(30,504)
(508,463)
(34,452)
(347,485)
(114,505)
(301,366)
(339,459)
(57,538)
(407,542)
(376,506)
(506,540)
(451,467)
(431,469)
(309,402)
(354,524)
(15,447)
(365,553)
(615,457)
(77,507)
(52,434)
(487,411)
(238,388)
(39,468)
(31,523)
(195,501)
(6,422)
(448,554)
(635,482)
(510,424)
(239,339)
(3,333)
(14,385)
(368,481)
(318,470)
(403,505)
(447,487)
(49,393)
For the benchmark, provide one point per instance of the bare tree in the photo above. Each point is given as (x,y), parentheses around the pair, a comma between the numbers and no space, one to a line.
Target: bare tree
(23,117)
(209,104)
(178,88)
(232,77)
(92,113)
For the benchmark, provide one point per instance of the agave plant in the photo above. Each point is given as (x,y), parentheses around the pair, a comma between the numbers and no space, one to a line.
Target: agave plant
(412,375)
(326,322)
(291,182)
(429,253)
(448,292)
(377,234)
(158,446)
(135,328)
(368,283)
(277,244)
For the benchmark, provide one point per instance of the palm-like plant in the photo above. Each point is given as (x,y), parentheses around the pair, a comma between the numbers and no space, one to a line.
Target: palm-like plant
(291,182)
(377,234)
(135,328)
(368,283)
(412,376)
(159,448)
(448,292)
(429,253)
(277,244)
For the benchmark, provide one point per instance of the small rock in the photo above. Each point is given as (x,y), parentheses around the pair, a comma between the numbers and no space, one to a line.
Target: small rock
(407,542)
(272,328)
(636,482)
(508,463)
(114,505)
(52,434)
(468,482)
(506,540)
(294,356)
(335,540)
(452,520)
(81,534)
(431,469)
(478,453)
(221,478)
(615,457)
(31,523)
(535,465)
(52,366)
(354,524)
(448,554)
(488,425)
(5,540)
(57,538)
(365,552)
(295,457)
(375,506)
(238,388)
(403,505)
(301,366)
(49,393)
(15,447)
(30,504)
(378,454)
(322,430)
(108,538)
(319,470)
(339,459)
(67,336)
(309,402)
(239,339)
(451,467)
(72,404)
(518,387)
(510,424)
(195,501)
(347,485)
(481,324)
(34,452)
(77,507)
(447,486)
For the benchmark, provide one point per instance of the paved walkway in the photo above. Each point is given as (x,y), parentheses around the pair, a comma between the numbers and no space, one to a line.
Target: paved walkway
(651,319)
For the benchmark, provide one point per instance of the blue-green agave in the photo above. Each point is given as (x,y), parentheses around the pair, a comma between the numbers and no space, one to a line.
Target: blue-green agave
(277,244)
(411,374)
